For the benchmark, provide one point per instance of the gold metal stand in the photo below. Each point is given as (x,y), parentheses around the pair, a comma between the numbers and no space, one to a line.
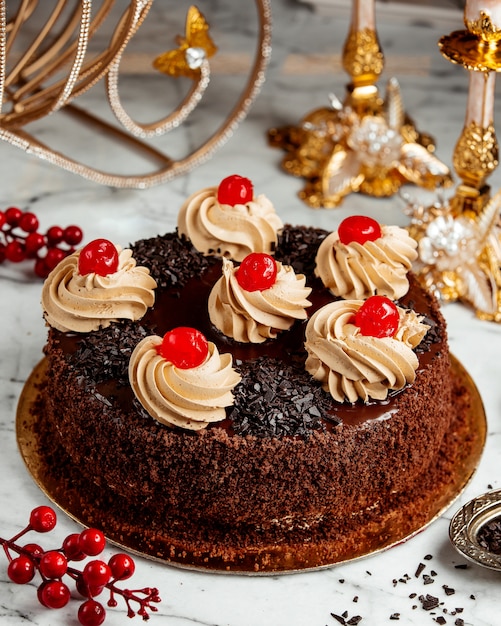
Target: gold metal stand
(365,144)
(459,239)
(47,62)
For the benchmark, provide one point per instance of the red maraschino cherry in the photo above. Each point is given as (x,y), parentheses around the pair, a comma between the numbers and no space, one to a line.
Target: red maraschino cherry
(257,272)
(358,228)
(377,317)
(99,256)
(234,190)
(184,347)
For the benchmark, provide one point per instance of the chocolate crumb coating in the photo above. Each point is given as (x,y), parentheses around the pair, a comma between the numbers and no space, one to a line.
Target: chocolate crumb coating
(288,467)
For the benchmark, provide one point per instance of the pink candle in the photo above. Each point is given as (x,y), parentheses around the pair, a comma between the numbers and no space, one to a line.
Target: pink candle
(363,15)
(475,10)
(480,107)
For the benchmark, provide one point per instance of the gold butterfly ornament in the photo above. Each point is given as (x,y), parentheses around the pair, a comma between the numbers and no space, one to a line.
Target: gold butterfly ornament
(193,49)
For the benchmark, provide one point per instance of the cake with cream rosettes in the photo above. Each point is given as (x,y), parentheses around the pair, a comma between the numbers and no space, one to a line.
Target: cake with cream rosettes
(261,402)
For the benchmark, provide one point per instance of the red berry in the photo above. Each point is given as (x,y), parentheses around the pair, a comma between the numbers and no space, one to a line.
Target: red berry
(122,566)
(184,347)
(43,519)
(234,190)
(377,317)
(53,257)
(53,594)
(71,547)
(53,564)
(99,256)
(15,251)
(21,570)
(54,235)
(86,590)
(257,272)
(358,228)
(12,216)
(3,219)
(28,222)
(92,541)
(33,549)
(72,235)
(33,243)
(96,573)
(41,270)
(91,613)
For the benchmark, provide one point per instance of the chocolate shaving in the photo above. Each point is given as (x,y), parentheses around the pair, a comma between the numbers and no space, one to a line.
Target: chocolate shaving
(104,354)
(298,247)
(259,402)
(489,536)
(171,259)
(429,602)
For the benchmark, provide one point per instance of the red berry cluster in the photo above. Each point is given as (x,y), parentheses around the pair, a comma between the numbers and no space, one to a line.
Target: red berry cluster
(96,576)
(20,239)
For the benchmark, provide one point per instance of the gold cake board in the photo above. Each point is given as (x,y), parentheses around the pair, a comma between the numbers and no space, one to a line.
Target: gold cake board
(462,449)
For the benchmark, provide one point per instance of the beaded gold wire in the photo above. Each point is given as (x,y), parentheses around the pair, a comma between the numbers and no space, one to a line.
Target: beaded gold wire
(57,66)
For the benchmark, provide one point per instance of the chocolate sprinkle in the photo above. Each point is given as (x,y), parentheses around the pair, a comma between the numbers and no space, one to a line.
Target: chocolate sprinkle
(259,402)
(104,354)
(489,536)
(165,262)
(298,247)
(429,602)
(419,570)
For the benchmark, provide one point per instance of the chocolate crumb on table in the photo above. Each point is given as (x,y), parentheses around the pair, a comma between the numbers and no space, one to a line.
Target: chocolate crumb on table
(436,608)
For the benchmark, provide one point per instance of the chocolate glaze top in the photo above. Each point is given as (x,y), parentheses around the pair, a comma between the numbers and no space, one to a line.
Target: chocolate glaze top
(276,397)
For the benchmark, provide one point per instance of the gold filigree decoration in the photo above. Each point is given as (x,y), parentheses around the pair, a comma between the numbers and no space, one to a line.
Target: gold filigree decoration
(365,147)
(483,27)
(363,59)
(365,144)
(193,49)
(459,256)
(476,154)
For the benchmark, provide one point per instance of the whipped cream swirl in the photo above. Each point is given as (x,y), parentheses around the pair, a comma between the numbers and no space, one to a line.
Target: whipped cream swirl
(189,398)
(229,231)
(350,365)
(255,316)
(84,303)
(357,271)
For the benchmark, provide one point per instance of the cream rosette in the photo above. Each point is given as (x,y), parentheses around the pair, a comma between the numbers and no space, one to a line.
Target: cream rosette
(189,398)
(350,365)
(255,316)
(229,231)
(357,271)
(85,303)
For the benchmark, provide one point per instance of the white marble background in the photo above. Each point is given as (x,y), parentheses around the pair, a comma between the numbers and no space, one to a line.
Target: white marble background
(305,67)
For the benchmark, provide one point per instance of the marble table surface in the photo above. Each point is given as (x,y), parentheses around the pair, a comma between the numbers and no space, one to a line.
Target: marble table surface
(305,67)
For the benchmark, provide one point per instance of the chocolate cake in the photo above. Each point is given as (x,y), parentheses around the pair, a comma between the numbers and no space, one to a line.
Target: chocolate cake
(290,478)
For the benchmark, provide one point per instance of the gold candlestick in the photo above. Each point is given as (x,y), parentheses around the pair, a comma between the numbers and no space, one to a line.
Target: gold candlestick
(459,239)
(366,143)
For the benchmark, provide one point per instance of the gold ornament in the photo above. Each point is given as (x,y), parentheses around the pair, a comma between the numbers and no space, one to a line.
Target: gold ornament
(368,146)
(362,57)
(193,49)
(476,154)
(364,144)
(459,255)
